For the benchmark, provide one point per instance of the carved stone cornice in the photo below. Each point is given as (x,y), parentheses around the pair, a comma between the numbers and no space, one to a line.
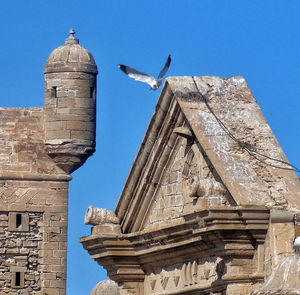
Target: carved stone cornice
(220,232)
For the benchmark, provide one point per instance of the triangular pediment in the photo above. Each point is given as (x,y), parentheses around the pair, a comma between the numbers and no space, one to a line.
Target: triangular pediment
(198,153)
(188,184)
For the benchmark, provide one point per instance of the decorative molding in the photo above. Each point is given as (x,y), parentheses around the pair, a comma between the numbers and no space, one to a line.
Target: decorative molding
(152,284)
(176,280)
(164,282)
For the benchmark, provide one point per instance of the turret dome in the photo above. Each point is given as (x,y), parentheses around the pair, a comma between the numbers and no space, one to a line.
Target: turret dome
(70,104)
(106,287)
(70,57)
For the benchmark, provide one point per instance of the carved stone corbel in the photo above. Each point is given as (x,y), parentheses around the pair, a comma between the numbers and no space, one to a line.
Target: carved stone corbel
(205,187)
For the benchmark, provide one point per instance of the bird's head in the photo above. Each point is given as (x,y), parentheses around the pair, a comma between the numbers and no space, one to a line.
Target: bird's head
(156,85)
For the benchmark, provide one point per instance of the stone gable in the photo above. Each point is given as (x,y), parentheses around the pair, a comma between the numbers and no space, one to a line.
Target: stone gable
(210,201)
(188,183)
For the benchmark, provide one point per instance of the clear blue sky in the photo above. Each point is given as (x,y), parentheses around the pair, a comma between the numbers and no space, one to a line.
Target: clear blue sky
(257,39)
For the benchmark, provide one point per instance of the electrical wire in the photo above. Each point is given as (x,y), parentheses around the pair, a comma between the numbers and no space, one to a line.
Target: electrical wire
(251,149)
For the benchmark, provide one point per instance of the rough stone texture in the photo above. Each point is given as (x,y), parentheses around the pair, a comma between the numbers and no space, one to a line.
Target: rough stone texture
(209,205)
(33,187)
(70,104)
(187,184)
(19,252)
(107,287)
(284,278)
(103,220)
(256,179)
(34,191)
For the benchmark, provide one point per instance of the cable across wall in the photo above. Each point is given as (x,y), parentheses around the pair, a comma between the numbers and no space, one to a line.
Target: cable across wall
(250,148)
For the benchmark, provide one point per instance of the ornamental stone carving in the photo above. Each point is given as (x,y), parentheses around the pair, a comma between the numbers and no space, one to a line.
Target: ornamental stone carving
(199,181)
(197,274)
(199,213)
(103,219)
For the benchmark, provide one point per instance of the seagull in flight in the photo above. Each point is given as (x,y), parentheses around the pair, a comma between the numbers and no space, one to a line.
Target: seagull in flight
(140,76)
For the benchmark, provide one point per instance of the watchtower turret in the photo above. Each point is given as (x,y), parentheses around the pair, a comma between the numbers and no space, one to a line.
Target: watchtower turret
(70,104)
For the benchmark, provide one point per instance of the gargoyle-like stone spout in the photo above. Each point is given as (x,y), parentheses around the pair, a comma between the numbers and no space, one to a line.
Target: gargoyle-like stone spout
(98,216)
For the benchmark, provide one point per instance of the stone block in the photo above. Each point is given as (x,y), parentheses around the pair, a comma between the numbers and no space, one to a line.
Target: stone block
(13,251)
(58,283)
(75,134)
(24,251)
(50,261)
(59,209)
(46,253)
(48,245)
(77,125)
(56,201)
(60,223)
(51,291)
(56,125)
(44,268)
(62,246)
(59,253)
(3,216)
(62,237)
(30,243)
(48,276)
(58,134)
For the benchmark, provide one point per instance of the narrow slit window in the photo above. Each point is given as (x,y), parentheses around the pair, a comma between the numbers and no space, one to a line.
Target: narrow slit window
(92,90)
(54,92)
(18,220)
(18,279)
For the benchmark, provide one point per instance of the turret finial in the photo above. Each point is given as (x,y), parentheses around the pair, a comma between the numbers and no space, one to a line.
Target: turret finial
(72,39)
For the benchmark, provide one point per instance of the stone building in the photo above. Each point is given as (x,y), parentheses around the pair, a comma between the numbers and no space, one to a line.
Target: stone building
(39,148)
(211,204)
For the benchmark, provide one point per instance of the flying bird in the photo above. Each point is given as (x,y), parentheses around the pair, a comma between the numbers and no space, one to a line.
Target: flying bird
(140,76)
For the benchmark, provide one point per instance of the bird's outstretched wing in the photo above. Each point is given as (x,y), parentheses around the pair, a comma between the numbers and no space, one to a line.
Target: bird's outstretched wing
(139,76)
(165,68)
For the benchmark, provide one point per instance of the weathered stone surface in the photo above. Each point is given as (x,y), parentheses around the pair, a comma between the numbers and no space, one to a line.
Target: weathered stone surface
(97,216)
(284,278)
(252,178)
(210,205)
(34,187)
(70,105)
(107,287)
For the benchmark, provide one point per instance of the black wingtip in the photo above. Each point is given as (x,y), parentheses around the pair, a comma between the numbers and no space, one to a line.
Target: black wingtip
(169,60)
(122,68)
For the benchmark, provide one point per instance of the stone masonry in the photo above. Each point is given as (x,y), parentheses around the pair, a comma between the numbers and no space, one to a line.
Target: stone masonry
(210,206)
(39,148)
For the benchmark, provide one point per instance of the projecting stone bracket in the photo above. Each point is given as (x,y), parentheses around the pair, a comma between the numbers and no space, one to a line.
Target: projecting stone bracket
(197,188)
(69,157)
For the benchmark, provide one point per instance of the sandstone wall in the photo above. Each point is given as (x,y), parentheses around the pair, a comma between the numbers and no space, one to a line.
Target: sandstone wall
(33,208)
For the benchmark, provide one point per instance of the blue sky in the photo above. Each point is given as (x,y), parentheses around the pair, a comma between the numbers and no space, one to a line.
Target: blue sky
(259,40)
